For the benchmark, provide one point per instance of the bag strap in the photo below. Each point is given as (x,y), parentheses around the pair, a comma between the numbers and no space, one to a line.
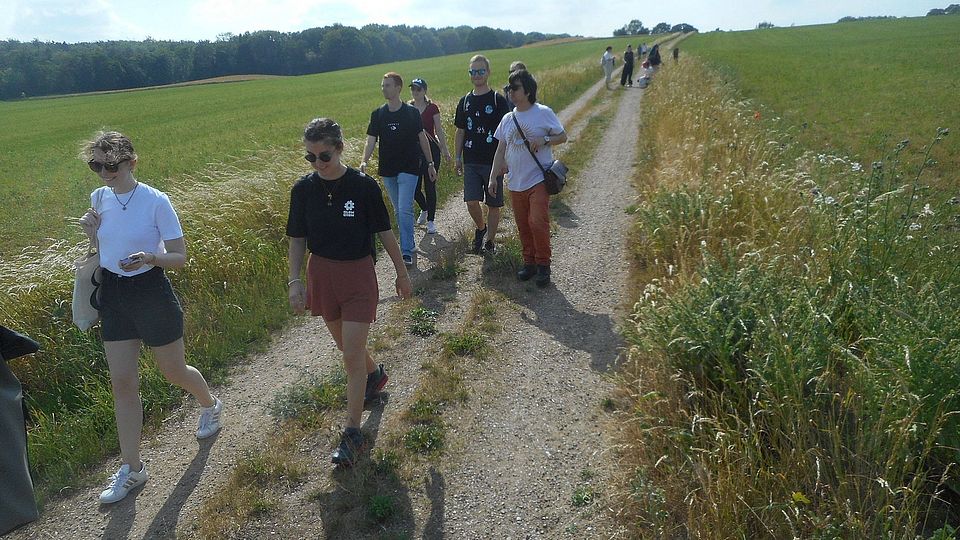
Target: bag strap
(527,143)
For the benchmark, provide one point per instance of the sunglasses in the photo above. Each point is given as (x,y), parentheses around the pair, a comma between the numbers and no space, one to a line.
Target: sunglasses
(516,87)
(322,156)
(477,72)
(96,166)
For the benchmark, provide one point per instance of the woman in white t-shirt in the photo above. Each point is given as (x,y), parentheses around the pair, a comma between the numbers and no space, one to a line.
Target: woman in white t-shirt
(137,233)
(528,195)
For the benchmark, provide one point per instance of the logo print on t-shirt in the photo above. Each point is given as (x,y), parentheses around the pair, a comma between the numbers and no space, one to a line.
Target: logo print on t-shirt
(348,209)
(488,109)
(393,126)
(469,124)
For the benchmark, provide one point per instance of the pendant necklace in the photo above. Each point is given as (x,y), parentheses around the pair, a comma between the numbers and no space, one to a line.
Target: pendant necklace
(123,205)
(330,193)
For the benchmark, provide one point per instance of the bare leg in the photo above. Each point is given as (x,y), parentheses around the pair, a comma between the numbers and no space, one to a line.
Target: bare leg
(493,218)
(171,360)
(476,213)
(353,342)
(336,330)
(122,357)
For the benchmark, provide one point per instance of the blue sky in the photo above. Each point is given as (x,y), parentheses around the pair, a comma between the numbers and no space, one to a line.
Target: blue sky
(95,20)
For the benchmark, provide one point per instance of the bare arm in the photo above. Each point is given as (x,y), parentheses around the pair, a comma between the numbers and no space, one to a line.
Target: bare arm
(425,148)
(499,162)
(441,137)
(389,241)
(458,148)
(367,152)
(539,142)
(296,291)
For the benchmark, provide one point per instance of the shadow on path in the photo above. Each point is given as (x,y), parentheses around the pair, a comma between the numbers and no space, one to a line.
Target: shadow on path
(552,313)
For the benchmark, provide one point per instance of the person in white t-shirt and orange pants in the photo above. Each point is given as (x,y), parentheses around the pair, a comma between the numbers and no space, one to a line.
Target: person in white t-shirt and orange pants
(531,202)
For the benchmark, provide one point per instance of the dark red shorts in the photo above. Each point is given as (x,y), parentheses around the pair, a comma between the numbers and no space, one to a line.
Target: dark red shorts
(345,290)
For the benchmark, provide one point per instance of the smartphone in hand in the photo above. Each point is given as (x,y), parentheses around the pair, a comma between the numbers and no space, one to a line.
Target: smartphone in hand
(129,261)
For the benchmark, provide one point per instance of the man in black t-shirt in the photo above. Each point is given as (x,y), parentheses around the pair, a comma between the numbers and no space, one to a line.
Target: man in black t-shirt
(399,129)
(477,117)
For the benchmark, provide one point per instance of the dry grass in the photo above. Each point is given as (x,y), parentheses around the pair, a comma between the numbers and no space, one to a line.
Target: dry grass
(767,394)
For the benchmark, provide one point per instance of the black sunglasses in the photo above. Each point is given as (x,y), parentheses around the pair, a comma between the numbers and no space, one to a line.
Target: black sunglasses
(96,166)
(516,87)
(322,156)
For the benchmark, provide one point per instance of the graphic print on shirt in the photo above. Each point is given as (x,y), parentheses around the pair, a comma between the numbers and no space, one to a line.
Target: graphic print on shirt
(348,209)
(393,126)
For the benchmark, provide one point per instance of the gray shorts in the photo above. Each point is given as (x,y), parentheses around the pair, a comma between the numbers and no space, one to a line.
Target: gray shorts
(476,176)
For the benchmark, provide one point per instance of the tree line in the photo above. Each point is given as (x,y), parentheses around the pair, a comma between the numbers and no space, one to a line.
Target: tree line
(636,28)
(44,68)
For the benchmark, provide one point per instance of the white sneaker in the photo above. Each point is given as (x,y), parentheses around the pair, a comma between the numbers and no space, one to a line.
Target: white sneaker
(431,228)
(423,218)
(210,420)
(122,482)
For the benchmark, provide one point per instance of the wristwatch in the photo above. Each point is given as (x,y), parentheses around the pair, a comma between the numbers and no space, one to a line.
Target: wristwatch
(429,164)
(546,139)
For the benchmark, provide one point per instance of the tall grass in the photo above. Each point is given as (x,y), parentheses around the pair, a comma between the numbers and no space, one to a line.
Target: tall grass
(794,352)
(233,212)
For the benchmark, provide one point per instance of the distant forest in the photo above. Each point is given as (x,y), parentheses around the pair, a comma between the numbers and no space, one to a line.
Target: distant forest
(44,68)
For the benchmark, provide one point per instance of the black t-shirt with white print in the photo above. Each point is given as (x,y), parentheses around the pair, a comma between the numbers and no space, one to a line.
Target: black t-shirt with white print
(343,229)
(399,136)
(478,117)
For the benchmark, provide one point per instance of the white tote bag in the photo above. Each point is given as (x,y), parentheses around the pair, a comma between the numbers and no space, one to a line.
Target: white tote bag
(85,285)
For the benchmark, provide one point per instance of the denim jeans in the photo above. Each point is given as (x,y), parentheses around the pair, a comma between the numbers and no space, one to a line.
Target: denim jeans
(400,189)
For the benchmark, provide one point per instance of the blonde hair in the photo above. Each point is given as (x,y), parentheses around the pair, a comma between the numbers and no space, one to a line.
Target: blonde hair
(114,144)
(481,58)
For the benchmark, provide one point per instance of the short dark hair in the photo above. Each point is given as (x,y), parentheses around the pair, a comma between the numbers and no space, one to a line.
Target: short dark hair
(324,130)
(525,78)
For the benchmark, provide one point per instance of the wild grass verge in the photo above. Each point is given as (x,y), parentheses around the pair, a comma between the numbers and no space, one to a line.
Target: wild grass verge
(794,352)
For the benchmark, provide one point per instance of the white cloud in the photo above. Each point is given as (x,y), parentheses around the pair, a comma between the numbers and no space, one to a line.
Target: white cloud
(55,20)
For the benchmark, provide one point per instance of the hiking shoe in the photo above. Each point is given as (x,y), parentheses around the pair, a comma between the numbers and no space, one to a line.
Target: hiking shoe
(122,482)
(543,275)
(490,247)
(527,272)
(408,260)
(478,240)
(352,444)
(375,383)
(423,218)
(431,228)
(211,420)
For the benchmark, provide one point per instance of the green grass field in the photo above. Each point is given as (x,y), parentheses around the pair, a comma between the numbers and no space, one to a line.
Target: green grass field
(851,84)
(178,131)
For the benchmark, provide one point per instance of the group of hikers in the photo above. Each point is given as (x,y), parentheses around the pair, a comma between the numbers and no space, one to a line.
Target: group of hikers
(649,58)
(335,212)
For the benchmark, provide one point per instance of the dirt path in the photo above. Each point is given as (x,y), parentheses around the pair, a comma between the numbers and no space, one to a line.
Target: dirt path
(536,421)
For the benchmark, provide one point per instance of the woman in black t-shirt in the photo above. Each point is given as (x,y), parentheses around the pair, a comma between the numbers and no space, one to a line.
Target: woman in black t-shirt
(335,211)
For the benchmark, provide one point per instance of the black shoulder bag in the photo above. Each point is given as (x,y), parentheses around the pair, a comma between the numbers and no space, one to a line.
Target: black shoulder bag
(554,176)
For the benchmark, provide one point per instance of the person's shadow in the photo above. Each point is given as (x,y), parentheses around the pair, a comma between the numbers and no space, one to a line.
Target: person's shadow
(164,524)
(595,334)
(370,493)
(435,487)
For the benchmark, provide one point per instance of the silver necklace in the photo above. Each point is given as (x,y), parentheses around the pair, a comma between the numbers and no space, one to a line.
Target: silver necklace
(123,205)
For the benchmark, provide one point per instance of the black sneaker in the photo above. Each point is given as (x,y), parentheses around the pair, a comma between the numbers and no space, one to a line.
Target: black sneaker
(543,275)
(527,272)
(478,240)
(489,247)
(375,383)
(352,444)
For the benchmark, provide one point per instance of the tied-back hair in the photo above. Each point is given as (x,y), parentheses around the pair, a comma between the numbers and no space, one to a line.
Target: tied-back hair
(525,78)
(324,130)
(115,145)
